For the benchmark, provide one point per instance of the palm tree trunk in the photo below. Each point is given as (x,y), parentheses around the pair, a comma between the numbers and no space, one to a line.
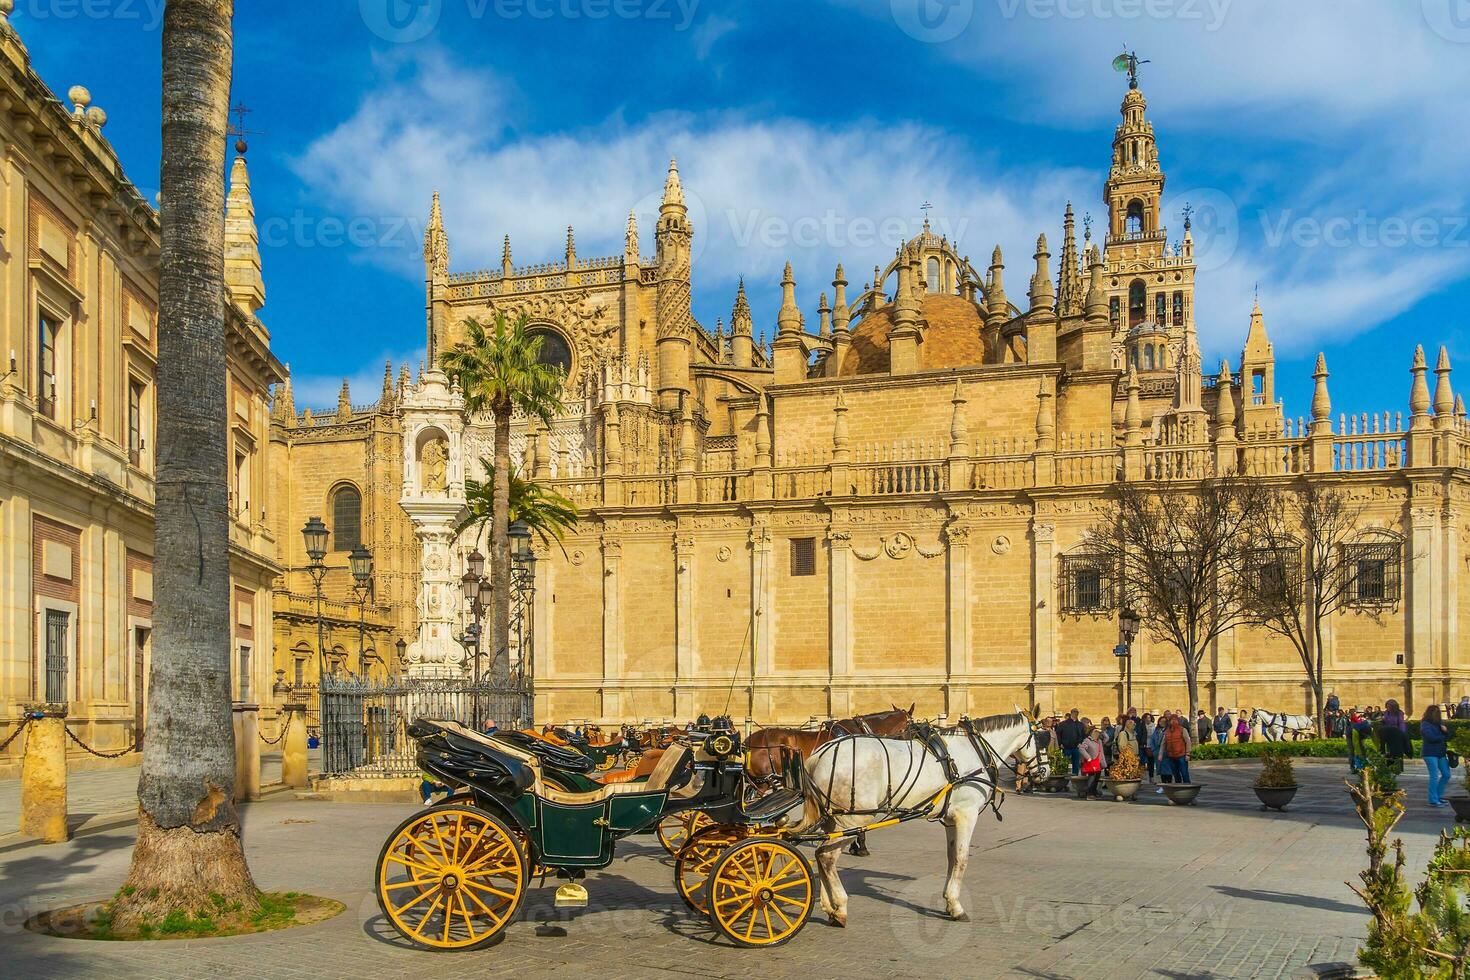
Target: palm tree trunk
(500,550)
(189,847)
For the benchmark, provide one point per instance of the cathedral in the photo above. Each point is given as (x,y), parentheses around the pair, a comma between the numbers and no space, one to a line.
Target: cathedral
(887,508)
(886,503)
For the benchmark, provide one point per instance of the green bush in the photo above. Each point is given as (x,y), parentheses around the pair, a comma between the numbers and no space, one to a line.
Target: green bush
(1315,748)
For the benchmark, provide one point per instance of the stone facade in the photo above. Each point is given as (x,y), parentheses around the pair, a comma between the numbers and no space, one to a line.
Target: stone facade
(882,510)
(78,333)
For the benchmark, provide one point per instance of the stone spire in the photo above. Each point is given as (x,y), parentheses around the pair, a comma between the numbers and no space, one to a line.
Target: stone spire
(283,406)
(403,378)
(1444,395)
(762,434)
(959,430)
(788,320)
(1225,405)
(506,266)
(1133,416)
(841,314)
(1321,400)
(1419,393)
(571,248)
(1096,304)
(673,188)
(243,276)
(1043,296)
(839,430)
(1069,275)
(903,337)
(824,318)
(385,401)
(997,303)
(344,404)
(630,241)
(436,242)
(742,347)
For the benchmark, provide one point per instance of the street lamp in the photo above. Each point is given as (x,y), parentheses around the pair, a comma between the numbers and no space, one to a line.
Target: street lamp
(1128,626)
(478,591)
(315,535)
(523,584)
(361,561)
(402,648)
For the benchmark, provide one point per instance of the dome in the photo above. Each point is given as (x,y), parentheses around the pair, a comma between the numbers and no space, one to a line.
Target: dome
(952,339)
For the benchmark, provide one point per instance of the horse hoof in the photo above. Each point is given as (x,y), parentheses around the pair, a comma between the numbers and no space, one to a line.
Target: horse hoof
(839,921)
(961,917)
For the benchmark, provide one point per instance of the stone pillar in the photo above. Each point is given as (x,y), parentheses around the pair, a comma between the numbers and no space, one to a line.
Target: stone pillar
(957,652)
(839,540)
(763,594)
(1422,559)
(293,751)
(1042,597)
(435,653)
(247,752)
(43,774)
(684,667)
(612,626)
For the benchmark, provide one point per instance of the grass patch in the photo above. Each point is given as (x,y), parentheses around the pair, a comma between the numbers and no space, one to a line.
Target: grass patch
(278,910)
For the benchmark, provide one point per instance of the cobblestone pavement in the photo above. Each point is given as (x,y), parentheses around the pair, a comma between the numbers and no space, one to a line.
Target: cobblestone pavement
(1061,888)
(107,792)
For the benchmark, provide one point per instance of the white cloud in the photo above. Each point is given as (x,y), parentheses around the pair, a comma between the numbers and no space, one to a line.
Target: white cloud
(319,391)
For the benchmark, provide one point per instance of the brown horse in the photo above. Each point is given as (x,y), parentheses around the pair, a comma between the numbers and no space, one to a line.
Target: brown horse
(768,748)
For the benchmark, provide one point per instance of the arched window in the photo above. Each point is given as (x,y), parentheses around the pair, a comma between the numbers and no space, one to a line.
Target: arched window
(1148,357)
(1137,302)
(346,519)
(1134,222)
(554,350)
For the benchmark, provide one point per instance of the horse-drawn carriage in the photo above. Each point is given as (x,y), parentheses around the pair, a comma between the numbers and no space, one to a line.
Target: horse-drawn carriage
(453,876)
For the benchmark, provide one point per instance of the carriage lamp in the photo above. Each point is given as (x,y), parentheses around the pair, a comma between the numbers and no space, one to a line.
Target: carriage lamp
(315,535)
(487,593)
(1129,624)
(402,648)
(520,542)
(477,567)
(361,561)
(470,583)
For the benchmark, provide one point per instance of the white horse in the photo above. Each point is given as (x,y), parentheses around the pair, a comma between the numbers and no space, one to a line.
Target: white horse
(1276,725)
(861,779)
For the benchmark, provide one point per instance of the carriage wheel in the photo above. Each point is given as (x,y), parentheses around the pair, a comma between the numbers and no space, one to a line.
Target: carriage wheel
(451,877)
(608,761)
(675,830)
(691,867)
(761,892)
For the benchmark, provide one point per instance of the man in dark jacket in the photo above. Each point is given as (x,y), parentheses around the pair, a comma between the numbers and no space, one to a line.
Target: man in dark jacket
(1202,728)
(1222,726)
(1070,734)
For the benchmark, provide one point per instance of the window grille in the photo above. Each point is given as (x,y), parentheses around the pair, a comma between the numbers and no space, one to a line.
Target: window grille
(1273,577)
(1375,573)
(57,623)
(803,557)
(1088,584)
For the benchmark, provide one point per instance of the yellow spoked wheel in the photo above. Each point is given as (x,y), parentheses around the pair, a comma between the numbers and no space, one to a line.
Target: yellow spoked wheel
(675,830)
(760,892)
(696,857)
(451,877)
(608,761)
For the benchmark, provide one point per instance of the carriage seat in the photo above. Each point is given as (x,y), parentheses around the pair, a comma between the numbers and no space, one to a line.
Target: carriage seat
(669,766)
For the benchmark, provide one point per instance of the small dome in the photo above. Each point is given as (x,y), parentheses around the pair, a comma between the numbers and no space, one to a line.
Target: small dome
(952,339)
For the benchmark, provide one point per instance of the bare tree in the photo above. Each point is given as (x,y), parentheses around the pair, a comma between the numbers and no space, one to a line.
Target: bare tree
(1179,553)
(189,853)
(1305,569)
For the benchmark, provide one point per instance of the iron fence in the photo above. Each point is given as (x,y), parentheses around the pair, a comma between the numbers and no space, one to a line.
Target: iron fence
(364,723)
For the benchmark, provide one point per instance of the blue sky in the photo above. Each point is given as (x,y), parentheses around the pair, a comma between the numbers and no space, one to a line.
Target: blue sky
(1324,144)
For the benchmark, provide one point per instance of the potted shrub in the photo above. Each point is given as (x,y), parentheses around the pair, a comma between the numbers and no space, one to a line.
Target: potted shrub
(1059,768)
(1460,746)
(1384,773)
(1124,776)
(1079,785)
(1276,784)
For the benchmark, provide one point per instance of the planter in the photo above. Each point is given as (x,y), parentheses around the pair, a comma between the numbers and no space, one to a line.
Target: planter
(1461,805)
(1277,797)
(1079,786)
(1054,784)
(1181,794)
(1122,789)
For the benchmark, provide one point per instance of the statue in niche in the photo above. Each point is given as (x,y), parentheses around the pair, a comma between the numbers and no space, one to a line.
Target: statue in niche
(435,464)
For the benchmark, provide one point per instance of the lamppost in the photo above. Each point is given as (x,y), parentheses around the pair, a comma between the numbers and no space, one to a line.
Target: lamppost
(402,647)
(1128,627)
(361,561)
(523,590)
(315,534)
(477,593)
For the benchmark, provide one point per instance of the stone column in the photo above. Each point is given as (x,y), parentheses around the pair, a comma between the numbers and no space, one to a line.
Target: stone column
(957,652)
(293,751)
(763,595)
(684,667)
(247,752)
(1422,558)
(612,626)
(43,774)
(1042,598)
(839,540)
(435,653)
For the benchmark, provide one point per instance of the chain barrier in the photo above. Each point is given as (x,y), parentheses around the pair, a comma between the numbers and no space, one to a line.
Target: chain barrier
(101,755)
(282,733)
(24,721)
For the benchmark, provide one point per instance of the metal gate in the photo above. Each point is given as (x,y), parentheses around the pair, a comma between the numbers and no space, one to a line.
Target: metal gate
(364,723)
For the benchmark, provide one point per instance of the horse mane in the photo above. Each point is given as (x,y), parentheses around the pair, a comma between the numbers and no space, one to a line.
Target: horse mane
(996,723)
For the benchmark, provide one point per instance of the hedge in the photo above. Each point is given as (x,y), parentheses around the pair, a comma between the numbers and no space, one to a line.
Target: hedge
(1315,748)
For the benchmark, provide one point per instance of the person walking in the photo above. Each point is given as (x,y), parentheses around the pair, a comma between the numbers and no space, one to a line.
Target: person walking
(1127,739)
(1222,726)
(1435,734)
(1091,752)
(1106,733)
(1202,727)
(1070,734)
(1156,750)
(1243,728)
(1176,746)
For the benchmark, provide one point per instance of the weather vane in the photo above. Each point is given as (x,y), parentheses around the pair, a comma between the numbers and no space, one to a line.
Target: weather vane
(1087,226)
(1188,215)
(240,110)
(926,207)
(1128,62)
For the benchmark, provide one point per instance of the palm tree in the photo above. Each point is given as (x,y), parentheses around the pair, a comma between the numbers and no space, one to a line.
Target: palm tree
(547,513)
(189,854)
(501,372)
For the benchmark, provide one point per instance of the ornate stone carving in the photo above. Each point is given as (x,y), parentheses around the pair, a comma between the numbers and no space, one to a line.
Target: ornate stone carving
(724,553)
(1001,545)
(898,546)
(435,462)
